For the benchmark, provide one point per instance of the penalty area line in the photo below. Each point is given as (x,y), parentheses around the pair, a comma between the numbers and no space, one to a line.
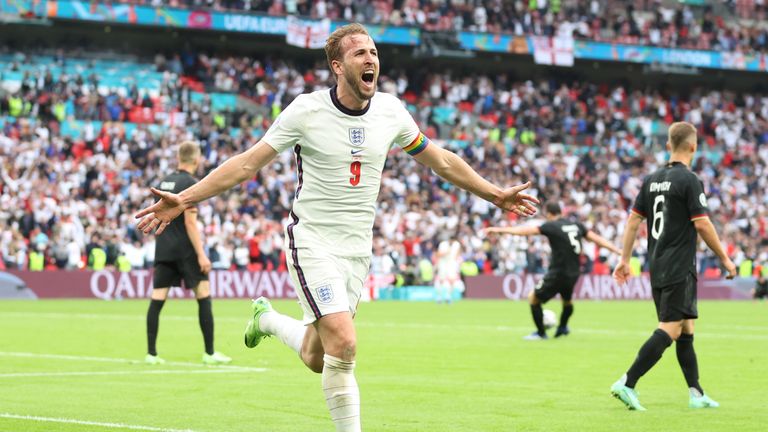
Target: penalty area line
(90,423)
(127,361)
(131,372)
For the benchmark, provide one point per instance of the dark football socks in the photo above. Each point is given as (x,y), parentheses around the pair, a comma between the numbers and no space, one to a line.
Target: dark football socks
(153,322)
(649,354)
(566,315)
(205,315)
(538,318)
(686,357)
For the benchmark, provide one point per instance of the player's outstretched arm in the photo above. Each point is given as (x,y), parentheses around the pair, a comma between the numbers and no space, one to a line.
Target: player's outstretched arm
(621,273)
(708,233)
(234,171)
(451,167)
(518,230)
(602,242)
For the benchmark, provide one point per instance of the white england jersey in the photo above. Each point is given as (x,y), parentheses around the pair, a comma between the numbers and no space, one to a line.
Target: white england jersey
(449,263)
(340,155)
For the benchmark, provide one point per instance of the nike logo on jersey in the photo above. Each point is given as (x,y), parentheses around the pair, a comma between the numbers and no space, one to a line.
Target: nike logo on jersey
(354,152)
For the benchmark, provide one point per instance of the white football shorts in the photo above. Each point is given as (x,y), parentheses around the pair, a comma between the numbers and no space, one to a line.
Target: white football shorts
(326,283)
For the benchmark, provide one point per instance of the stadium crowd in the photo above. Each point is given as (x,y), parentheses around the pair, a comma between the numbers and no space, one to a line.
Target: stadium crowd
(588,145)
(644,22)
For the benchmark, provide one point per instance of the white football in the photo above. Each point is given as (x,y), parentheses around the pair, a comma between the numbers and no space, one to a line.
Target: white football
(550,319)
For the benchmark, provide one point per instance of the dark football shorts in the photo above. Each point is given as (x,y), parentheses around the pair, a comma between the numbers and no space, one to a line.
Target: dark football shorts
(554,284)
(677,301)
(170,273)
(761,293)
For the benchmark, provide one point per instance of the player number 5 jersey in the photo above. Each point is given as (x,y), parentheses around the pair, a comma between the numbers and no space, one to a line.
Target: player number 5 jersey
(565,241)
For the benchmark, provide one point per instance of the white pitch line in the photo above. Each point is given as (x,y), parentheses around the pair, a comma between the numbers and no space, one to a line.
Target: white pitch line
(146,372)
(501,328)
(118,317)
(126,361)
(91,423)
(736,327)
(706,333)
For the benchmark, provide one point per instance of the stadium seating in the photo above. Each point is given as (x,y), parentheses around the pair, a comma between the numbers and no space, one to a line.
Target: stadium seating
(585,143)
(730,26)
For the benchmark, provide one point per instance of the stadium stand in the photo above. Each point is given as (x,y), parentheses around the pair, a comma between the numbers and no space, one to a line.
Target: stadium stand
(80,139)
(734,25)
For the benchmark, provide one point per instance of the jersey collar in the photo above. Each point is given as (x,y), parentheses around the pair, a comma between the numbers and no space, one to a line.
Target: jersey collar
(345,110)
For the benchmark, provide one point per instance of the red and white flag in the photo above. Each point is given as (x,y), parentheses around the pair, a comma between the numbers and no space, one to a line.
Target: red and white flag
(307,33)
(556,51)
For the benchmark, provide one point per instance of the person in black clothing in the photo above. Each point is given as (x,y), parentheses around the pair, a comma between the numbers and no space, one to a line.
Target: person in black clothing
(673,202)
(179,255)
(760,291)
(564,237)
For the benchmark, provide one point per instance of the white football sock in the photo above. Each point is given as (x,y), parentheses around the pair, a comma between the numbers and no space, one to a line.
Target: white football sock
(341,393)
(290,331)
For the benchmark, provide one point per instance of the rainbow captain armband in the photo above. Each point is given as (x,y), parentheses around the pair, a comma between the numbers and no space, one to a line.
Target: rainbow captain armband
(418,145)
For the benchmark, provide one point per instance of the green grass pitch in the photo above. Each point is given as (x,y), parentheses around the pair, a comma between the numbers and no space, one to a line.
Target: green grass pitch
(421,367)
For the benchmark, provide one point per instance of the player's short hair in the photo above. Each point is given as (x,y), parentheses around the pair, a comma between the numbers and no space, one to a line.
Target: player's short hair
(333,48)
(680,133)
(552,207)
(188,152)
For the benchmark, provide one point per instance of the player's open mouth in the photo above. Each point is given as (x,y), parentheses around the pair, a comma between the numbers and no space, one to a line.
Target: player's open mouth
(368,77)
